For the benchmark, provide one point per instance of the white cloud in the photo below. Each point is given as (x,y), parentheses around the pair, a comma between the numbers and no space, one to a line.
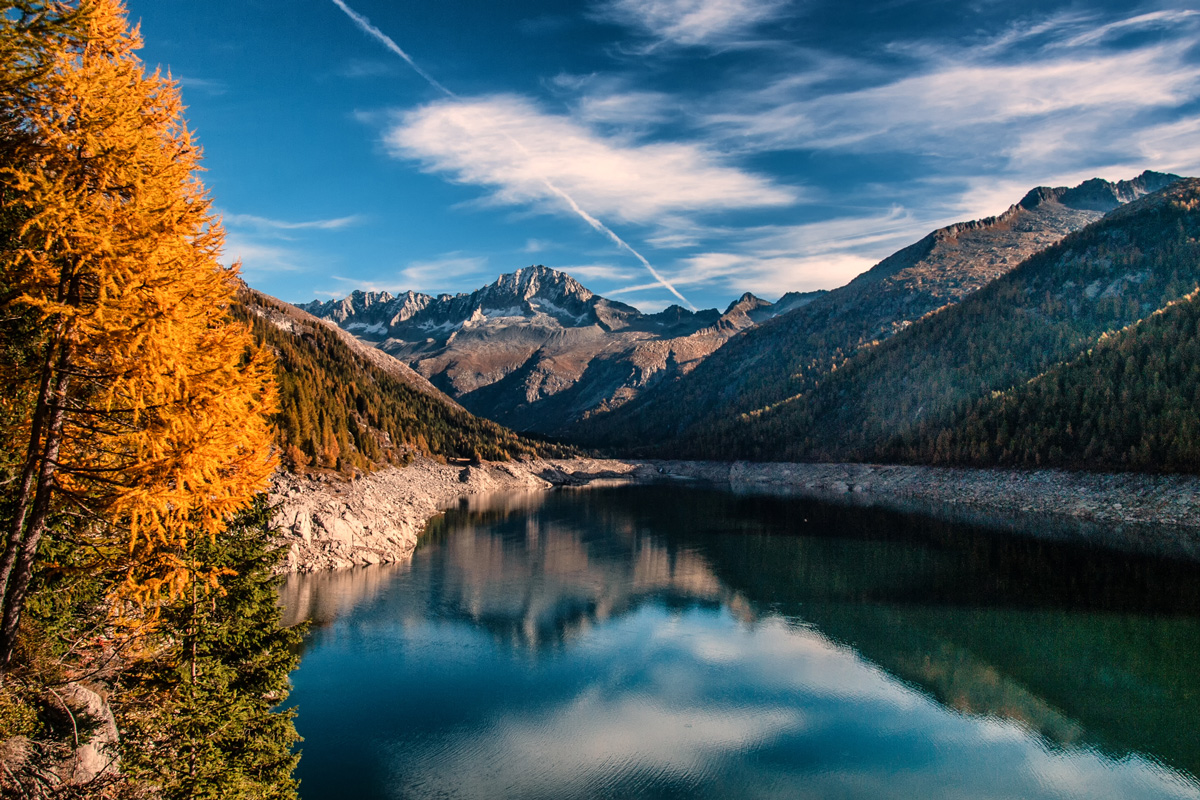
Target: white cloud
(536,245)
(594,272)
(267,224)
(507,143)
(1154,19)
(627,109)
(670,718)
(648,305)
(263,245)
(258,257)
(692,22)
(957,106)
(768,276)
(436,275)
(353,284)
(205,85)
(1174,146)
(1053,101)
(771,260)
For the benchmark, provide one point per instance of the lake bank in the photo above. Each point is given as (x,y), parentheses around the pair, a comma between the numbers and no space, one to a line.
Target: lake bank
(326,522)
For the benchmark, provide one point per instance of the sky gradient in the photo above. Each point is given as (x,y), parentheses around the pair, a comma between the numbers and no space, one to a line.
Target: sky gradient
(661,151)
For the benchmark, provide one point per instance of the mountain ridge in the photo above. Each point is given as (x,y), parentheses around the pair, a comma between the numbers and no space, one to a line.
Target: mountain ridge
(537,350)
(787,356)
(1079,358)
(347,407)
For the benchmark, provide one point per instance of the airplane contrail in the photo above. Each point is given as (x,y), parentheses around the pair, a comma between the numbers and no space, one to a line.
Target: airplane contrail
(365,25)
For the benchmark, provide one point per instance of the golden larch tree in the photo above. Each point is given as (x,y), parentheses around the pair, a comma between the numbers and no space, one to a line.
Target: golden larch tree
(146,408)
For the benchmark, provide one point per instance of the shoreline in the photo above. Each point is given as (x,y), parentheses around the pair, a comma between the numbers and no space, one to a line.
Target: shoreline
(326,522)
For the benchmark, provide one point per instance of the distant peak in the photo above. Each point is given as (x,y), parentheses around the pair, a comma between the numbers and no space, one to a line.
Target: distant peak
(1098,194)
(538,281)
(747,302)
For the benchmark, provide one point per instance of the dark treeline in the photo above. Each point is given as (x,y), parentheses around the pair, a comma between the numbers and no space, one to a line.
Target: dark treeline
(1130,403)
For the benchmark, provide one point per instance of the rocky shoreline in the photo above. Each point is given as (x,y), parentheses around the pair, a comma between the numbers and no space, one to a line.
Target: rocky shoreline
(326,522)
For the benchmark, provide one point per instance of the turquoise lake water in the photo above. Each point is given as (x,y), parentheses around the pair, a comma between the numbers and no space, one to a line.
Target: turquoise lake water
(670,642)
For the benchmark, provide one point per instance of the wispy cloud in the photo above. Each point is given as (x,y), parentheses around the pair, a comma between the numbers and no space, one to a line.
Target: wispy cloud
(1072,102)
(268,246)
(1175,146)
(771,276)
(648,305)
(267,224)
(691,22)
(771,260)
(202,85)
(598,272)
(258,257)
(1153,20)
(955,100)
(509,144)
(629,110)
(433,276)
(963,127)
(438,274)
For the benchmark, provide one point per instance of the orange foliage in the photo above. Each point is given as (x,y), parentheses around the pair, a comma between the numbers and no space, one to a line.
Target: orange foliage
(165,432)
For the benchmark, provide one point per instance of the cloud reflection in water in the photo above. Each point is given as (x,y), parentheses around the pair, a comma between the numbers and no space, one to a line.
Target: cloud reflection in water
(561,647)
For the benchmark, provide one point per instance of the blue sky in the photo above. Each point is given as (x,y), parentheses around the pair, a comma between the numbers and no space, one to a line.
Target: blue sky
(655,149)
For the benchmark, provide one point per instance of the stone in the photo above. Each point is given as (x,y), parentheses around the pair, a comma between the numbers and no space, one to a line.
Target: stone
(98,735)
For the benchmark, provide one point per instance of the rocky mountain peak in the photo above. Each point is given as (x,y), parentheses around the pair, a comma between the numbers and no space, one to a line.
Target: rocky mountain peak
(356,304)
(746,303)
(531,282)
(1097,194)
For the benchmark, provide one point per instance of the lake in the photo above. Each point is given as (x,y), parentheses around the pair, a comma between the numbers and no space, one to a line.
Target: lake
(675,642)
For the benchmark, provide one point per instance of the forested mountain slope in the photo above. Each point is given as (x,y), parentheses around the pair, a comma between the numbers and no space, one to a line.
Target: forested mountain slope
(786,357)
(346,405)
(900,398)
(1129,403)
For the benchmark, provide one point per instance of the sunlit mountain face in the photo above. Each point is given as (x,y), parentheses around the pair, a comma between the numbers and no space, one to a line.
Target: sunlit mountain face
(666,642)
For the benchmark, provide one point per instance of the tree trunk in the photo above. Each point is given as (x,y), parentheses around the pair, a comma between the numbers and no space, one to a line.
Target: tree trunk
(33,458)
(16,569)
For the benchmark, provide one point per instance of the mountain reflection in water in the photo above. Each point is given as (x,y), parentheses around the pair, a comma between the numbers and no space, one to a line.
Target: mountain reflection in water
(671,642)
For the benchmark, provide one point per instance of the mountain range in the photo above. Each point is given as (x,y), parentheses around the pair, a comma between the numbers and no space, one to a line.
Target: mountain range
(348,407)
(786,358)
(537,351)
(1075,358)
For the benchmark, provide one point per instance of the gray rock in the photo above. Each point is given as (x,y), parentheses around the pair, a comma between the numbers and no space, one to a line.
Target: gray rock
(98,735)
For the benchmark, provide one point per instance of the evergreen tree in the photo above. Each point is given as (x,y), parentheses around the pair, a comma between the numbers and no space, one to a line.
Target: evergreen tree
(198,716)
